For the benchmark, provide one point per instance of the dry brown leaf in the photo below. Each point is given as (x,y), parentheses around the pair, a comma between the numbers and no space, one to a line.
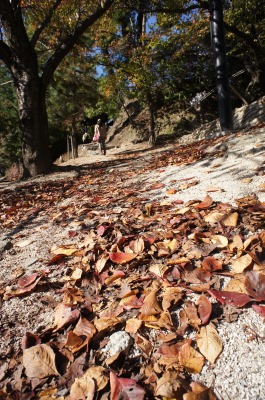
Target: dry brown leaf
(83,388)
(159,269)
(237,244)
(199,392)
(191,359)
(133,325)
(137,246)
(73,341)
(237,284)
(65,315)
(207,202)
(39,361)
(144,344)
(171,296)
(67,250)
(240,264)
(220,241)
(214,217)
(209,343)
(169,386)
(150,305)
(105,323)
(101,262)
(230,220)
(98,374)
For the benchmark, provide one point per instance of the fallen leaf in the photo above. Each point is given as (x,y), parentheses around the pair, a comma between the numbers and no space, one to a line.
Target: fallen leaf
(206,203)
(199,392)
(106,323)
(159,269)
(211,264)
(259,309)
(122,258)
(98,374)
(39,361)
(230,220)
(150,305)
(83,388)
(204,308)
(255,285)
(220,241)
(209,343)
(133,325)
(191,359)
(64,315)
(169,386)
(214,189)
(125,389)
(171,191)
(171,297)
(67,250)
(231,298)
(27,280)
(240,264)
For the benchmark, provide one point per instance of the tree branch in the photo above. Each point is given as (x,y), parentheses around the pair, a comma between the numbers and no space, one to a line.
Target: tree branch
(5,54)
(44,23)
(68,42)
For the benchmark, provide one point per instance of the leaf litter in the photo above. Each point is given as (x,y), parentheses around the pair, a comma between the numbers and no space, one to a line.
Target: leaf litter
(158,270)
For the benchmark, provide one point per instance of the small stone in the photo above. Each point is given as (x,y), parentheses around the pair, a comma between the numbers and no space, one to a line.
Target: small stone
(118,341)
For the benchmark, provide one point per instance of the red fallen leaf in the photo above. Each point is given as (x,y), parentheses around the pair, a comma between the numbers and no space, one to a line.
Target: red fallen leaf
(56,259)
(29,340)
(255,285)
(27,280)
(122,258)
(232,298)
(21,291)
(177,201)
(125,389)
(72,234)
(204,308)
(150,239)
(157,186)
(102,229)
(259,309)
(207,202)
(211,264)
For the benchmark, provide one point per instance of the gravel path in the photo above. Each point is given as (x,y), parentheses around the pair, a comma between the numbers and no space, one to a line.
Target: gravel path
(232,169)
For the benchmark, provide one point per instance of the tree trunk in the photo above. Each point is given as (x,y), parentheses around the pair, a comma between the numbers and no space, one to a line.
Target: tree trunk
(152,137)
(33,122)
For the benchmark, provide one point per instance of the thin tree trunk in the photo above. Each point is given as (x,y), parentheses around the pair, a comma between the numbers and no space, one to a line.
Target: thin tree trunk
(152,137)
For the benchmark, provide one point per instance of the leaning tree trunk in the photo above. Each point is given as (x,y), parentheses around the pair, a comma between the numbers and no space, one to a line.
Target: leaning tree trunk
(33,122)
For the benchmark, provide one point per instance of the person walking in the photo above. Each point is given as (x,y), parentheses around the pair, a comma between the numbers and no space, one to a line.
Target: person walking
(101,133)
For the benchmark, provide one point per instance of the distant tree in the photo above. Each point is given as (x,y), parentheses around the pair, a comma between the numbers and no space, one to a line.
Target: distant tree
(34,39)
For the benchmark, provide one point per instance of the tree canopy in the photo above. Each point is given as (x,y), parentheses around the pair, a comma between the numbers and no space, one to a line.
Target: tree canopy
(158,51)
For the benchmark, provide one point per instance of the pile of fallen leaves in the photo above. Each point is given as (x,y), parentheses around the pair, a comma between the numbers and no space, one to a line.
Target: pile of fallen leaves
(163,274)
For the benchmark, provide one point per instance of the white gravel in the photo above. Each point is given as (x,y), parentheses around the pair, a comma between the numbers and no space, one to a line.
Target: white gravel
(239,372)
(235,173)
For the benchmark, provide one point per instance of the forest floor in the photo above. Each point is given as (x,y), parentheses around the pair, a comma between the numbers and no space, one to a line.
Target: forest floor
(164,248)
